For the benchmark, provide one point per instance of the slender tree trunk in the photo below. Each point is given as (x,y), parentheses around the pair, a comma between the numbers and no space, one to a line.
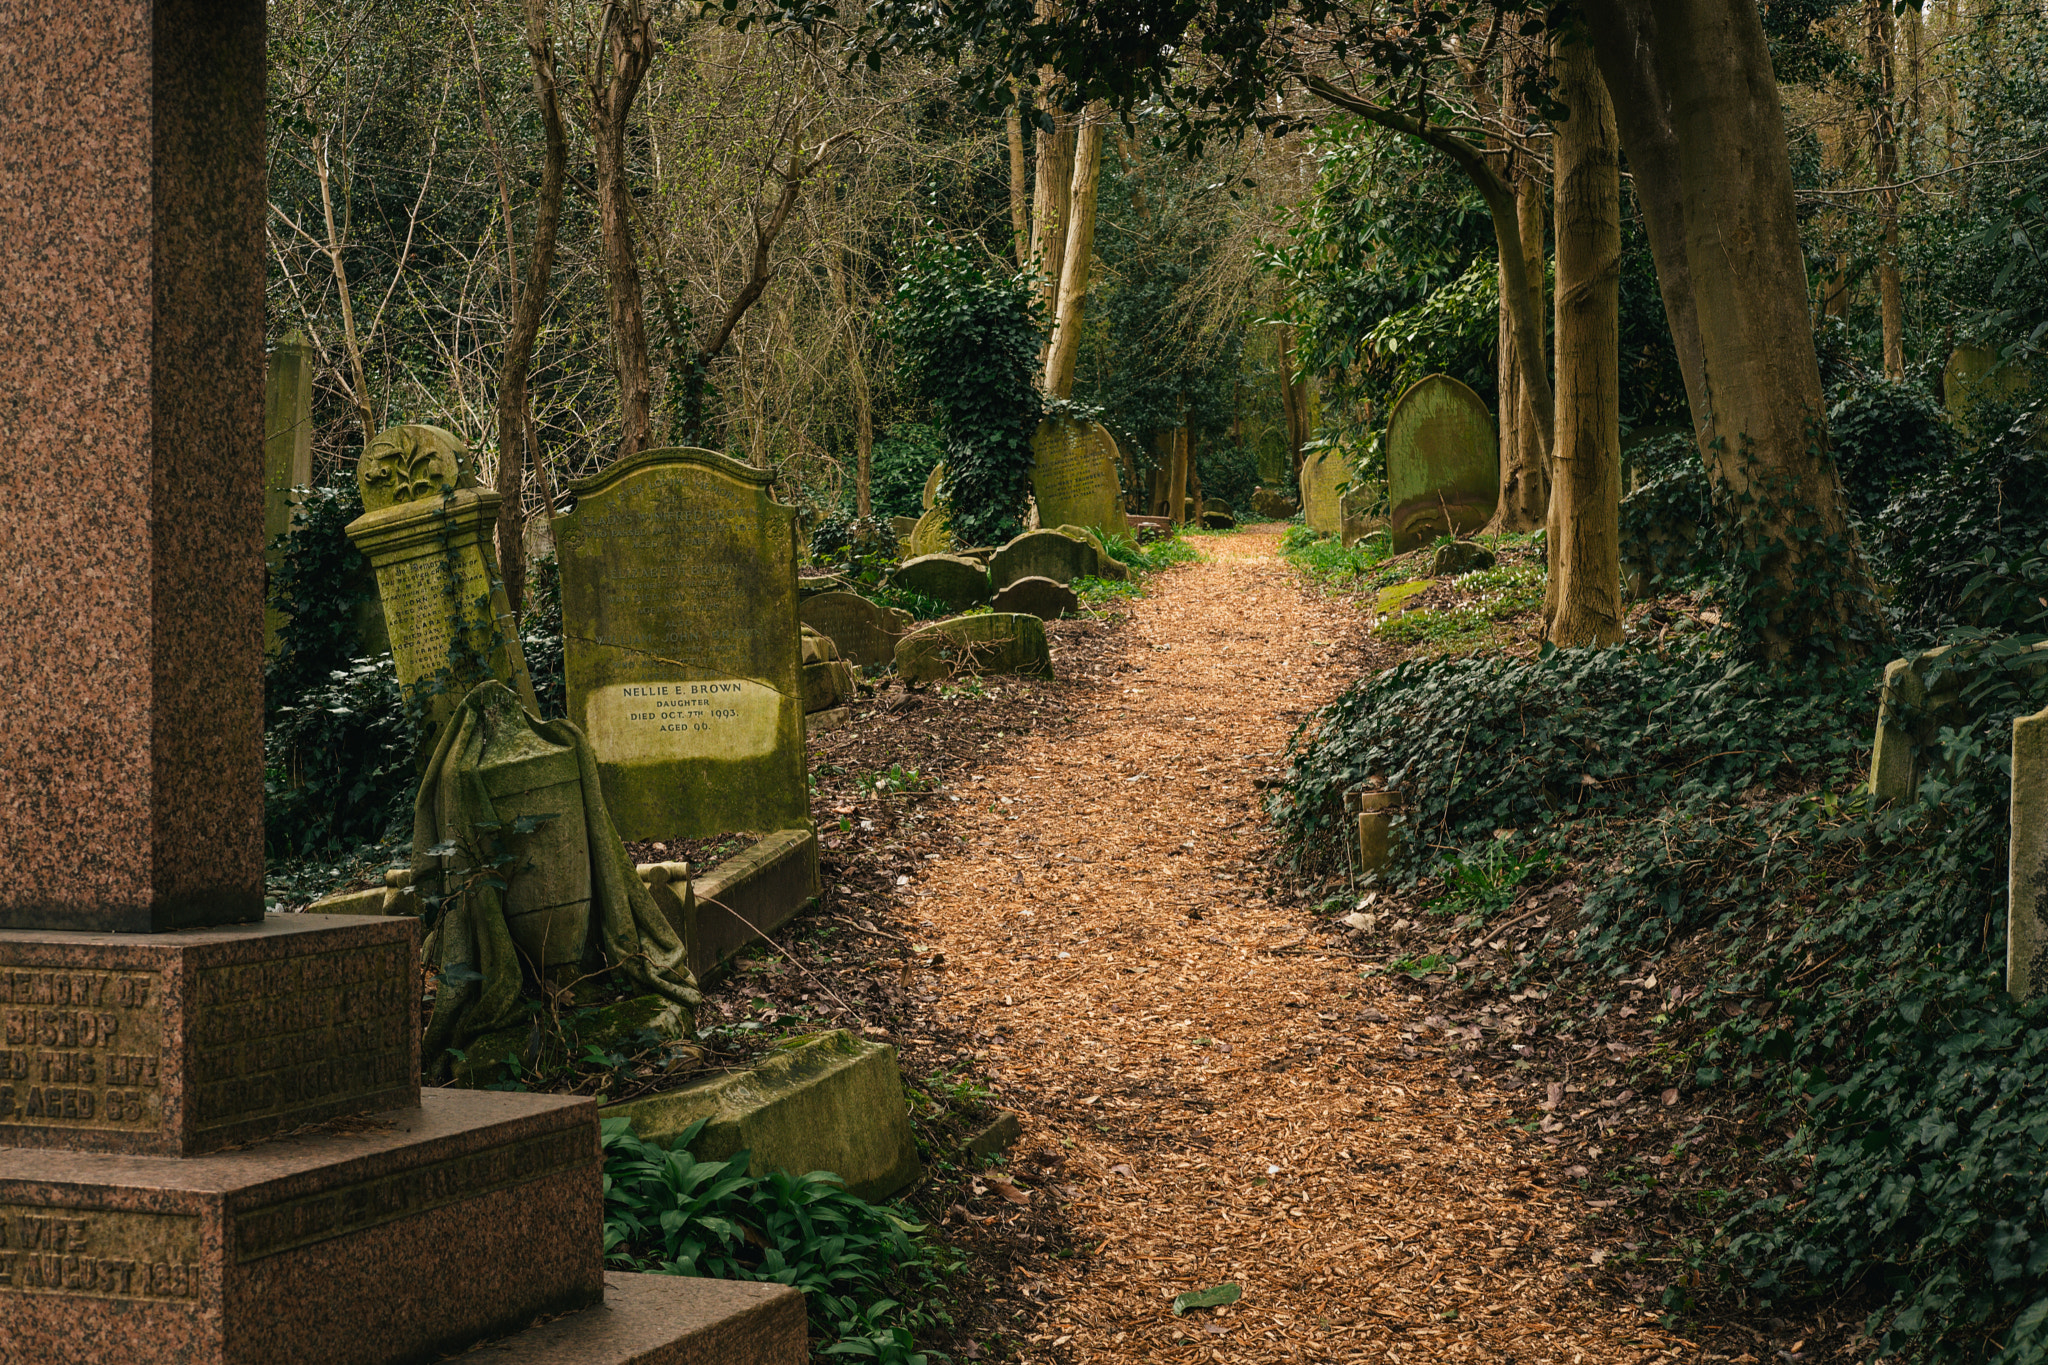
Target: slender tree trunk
(857,374)
(1884,160)
(1700,118)
(1293,402)
(1582,600)
(1020,202)
(351,341)
(1524,471)
(515,408)
(612,81)
(1077,257)
(1050,187)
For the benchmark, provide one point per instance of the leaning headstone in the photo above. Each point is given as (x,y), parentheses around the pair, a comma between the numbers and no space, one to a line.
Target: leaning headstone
(932,483)
(954,582)
(2026,939)
(427,530)
(865,633)
(968,645)
(932,535)
(1040,597)
(1443,463)
(1922,693)
(1051,554)
(681,655)
(287,454)
(1324,477)
(1074,475)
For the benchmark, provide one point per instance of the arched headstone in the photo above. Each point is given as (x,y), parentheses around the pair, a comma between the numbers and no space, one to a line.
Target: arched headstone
(1074,476)
(1323,477)
(1443,462)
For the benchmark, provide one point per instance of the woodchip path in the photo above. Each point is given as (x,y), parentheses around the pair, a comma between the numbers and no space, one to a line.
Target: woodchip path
(1237,1100)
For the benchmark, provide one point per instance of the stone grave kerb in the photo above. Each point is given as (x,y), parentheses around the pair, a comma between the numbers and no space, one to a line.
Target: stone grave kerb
(682,650)
(1443,462)
(428,532)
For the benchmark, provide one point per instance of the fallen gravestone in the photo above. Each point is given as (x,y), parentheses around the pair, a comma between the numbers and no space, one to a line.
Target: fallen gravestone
(1443,465)
(2026,940)
(1058,555)
(953,581)
(970,645)
(1074,475)
(828,681)
(865,633)
(679,626)
(427,530)
(1044,598)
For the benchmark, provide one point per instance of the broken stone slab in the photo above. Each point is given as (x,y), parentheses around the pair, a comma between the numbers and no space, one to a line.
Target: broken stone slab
(1400,597)
(1001,1135)
(827,680)
(1040,597)
(752,893)
(993,642)
(828,1102)
(2026,939)
(655,1319)
(953,581)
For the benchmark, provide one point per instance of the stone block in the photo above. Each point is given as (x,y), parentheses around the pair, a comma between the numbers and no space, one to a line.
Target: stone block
(968,645)
(824,722)
(1400,597)
(999,1136)
(752,893)
(385,1240)
(187,1042)
(954,581)
(1040,597)
(865,633)
(682,652)
(2026,939)
(666,1320)
(829,1102)
(828,685)
(1443,463)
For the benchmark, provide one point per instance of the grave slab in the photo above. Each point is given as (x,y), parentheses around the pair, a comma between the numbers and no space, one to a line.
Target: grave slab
(666,1320)
(752,893)
(187,1042)
(287,1250)
(965,646)
(681,648)
(1443,462)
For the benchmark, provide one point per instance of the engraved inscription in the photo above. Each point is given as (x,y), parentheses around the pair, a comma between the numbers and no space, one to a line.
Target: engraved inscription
(80,1049)
(426,601)
(1072,476)
(369,1203)
(98,1253)
(299,1031)
(677,567)
(665,720)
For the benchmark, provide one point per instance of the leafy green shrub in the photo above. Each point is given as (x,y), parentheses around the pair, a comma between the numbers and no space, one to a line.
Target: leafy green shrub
(968,345)
(1886,437)
(1668,528)
(861,1267)
(903,458)
(338,762)
(540,637)
(322,583)
(1229,472)
(864,550)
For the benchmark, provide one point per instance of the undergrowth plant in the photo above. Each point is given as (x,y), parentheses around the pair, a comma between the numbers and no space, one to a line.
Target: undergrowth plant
(866,1271)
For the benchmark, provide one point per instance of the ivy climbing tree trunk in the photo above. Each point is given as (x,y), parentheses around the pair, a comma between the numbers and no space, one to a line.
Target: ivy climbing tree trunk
(516,451)
(1020,196)
(1700,118)
(1582,598)
(613,72)
(1076,258)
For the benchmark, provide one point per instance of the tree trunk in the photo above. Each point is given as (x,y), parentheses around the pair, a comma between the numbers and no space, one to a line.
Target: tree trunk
(1524,472)
(612,81)
(1293,402)
(1884,161)
(1020,203)
(1700,119)
(515,409)
(1177,480)
(1079,254)
(1049,191)
(1582,600)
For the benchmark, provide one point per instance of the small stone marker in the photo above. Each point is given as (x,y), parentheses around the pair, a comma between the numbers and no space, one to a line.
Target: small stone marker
(865,633)
(427,531)
(1074,476)
(2026,939)
(1052,554)
(993,642)
(681,652)
(1044,598)
(1443,462)
(952,581)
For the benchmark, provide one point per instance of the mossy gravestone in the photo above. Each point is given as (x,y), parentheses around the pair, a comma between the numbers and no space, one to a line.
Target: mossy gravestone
(1324,478)
(865,633)
(1443,462)
(679,634)
(427,530)
(1074,478)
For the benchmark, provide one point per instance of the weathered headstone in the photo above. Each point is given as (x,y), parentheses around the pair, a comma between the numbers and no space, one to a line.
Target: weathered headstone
(932,535)
(1052,554)
(865,633)
(1922,693)
(1041,597)
(932,483)
(680,644)
(427,530)
(1273,506)
(1324,478)
(1443,463)
(1074,475)
(953,581)
(968,645)
(2026,939)
(188,1021)
(287,454)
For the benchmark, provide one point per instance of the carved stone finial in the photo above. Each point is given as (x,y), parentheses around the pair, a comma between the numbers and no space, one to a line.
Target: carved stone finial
(411,462)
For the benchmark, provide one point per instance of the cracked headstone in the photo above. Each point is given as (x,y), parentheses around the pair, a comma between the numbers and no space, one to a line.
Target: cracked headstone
(680,645)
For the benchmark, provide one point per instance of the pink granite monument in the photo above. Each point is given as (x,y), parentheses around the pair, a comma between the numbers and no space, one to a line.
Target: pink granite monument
(213,1143)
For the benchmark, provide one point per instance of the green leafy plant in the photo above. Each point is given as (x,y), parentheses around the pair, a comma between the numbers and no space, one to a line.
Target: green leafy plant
(1485,882)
